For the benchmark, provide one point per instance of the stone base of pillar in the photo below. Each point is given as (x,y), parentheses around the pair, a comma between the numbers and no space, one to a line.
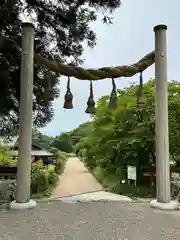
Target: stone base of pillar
(23,206)
(171,206)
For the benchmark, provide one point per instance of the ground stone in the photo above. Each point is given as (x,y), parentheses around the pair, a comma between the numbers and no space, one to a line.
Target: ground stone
(96,196)
(90,221)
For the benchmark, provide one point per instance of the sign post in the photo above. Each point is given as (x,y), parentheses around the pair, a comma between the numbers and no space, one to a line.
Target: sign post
(132,174)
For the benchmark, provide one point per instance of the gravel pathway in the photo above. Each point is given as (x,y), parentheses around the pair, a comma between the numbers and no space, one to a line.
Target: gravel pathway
(90,221)
(76,179)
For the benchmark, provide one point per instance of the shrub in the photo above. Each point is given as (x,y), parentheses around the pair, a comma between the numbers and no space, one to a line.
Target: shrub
(8,162)
(60,154)
(105,177)
(59,166)
(52,175)
(43,178)
(7,191)
(112,182)
(6,158)
(61,159)
(131,190)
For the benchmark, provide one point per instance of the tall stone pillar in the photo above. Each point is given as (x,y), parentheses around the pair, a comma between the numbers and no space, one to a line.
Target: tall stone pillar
(23,200)
(161,121)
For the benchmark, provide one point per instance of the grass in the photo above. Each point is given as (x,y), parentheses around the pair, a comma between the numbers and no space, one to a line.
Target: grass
(112,182)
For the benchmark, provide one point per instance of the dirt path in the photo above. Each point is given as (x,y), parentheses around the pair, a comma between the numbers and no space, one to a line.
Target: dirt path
(76,179)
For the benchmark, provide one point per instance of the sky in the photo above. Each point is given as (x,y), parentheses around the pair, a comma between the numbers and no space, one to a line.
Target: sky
(126,41)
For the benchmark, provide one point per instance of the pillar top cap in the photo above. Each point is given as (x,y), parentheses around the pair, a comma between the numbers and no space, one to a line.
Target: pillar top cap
(159,27)
(28,24)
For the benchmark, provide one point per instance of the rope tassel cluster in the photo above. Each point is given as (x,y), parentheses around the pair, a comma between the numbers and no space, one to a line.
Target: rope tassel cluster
(68,98)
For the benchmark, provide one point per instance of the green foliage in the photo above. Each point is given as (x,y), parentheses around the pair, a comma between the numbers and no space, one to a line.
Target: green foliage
(126,136)
(6,157)
(65,25)
(61,159)
(62,142)
(43,178)
(105,177)
(112,182)
(79,132)
(132,191)
(41,140)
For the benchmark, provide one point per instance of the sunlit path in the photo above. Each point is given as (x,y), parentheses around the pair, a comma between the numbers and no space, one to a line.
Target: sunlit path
(76,179)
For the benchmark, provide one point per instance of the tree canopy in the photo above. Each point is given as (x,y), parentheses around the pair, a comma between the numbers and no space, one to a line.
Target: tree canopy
(126,136)
(61,142)
(62,28)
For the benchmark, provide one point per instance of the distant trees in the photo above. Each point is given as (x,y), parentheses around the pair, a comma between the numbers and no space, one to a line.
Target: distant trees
(62,143)
(126,136)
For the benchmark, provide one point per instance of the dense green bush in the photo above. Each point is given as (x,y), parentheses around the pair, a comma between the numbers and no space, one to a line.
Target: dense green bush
(131,190)
(62,142)
(105,177)
(112,181)
(43,178)
(6,158)
(61,159)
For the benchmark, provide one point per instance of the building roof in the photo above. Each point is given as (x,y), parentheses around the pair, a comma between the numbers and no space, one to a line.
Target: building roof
(14,144)
(35,153)
(7,142)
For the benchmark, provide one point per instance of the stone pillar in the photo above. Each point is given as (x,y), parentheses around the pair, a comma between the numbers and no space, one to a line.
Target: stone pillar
(161,121)
(25,126)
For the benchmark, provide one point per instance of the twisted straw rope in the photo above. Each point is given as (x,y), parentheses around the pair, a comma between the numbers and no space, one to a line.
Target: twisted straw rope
(88,74)
(97,74)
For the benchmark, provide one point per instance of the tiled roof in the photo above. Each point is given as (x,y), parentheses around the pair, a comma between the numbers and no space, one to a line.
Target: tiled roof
(35,153)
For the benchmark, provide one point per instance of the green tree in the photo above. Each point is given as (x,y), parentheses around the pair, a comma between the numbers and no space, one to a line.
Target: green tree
(41,140)
(62,29)
(174,121)
(78,133)
(62,143)
(127,135)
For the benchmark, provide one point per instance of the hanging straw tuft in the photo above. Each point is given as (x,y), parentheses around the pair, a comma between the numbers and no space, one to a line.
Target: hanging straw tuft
(68,98)
(113,98)
(91,103)
(140,92)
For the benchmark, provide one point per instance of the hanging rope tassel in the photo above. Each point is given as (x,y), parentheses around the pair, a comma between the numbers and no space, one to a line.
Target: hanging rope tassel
(113,98)
(140,92)
(68,98)
(90,103)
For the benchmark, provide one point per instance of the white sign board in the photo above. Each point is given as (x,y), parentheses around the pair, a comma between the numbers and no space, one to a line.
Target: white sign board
(132,173)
